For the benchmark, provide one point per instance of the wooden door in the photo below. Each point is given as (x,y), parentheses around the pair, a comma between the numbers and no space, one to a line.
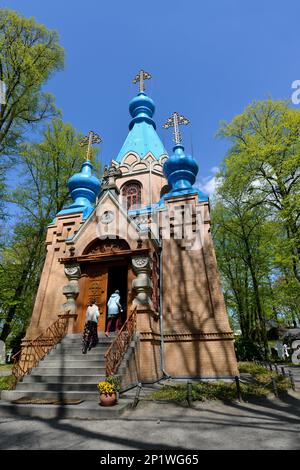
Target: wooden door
(93,285)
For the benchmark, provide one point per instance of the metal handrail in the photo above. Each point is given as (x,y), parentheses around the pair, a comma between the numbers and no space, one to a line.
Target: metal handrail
(119,346)
(36,349)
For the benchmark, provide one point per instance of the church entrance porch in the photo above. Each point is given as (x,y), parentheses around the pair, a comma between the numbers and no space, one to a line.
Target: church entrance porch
(98,281)
(118,279)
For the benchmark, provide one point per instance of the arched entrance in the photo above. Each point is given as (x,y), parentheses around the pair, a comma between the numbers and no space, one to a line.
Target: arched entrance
(105,267)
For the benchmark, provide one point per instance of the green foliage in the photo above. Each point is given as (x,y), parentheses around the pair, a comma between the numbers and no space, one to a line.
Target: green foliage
(254,369)
(256,218)
(247,350)
(114,380)
(5,367)
(206,391)
(8,382)
(225,391)
(44,170)
(29,55)
(263,167)
(173,393)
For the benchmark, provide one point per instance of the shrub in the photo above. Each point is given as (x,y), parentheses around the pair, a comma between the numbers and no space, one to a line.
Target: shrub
(247,350)
(7,382)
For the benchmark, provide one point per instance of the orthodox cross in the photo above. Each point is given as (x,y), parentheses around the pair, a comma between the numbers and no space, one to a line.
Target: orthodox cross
(174,121)
(89,140)
(140,77)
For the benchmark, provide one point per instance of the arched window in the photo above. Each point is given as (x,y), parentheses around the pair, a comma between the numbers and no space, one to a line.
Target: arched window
(132,195)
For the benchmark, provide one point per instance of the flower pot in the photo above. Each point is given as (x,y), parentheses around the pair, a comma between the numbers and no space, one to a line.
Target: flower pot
(108,400)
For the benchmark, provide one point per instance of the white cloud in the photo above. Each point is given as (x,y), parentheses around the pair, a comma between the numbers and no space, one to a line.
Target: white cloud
(208,184)
(215,169)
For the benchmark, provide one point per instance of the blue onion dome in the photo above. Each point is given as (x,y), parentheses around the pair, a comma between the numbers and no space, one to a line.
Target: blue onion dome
(180,170)
(84,187)
(141,108)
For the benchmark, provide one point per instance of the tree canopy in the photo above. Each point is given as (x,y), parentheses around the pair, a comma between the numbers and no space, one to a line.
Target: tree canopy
(29,54)
(256,216)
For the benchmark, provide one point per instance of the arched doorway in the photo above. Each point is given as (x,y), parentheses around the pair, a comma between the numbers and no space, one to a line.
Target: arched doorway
(105,267)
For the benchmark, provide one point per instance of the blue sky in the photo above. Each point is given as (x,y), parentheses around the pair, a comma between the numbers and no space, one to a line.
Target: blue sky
(209,59)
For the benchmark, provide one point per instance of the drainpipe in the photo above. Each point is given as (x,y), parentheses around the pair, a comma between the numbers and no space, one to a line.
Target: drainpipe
(162,346)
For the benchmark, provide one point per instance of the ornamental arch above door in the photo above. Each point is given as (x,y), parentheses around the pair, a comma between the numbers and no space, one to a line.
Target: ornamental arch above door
(103,268)
(106,246)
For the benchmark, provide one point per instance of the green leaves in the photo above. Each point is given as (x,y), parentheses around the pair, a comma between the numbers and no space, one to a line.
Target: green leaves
(256,218)
(29,55)
(44,169)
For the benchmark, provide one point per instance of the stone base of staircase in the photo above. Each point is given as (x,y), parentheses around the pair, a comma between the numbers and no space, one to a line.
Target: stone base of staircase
(89,410)
(65,373)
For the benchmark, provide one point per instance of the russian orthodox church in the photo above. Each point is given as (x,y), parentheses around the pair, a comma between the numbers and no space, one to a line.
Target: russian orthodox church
(144,230)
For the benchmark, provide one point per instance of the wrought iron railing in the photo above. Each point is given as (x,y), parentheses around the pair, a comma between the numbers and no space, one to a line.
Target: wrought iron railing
(36,349)
(118,348)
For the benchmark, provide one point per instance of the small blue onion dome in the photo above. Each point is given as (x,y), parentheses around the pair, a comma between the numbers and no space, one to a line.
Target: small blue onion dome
(141,108)
(84,187)
(180,170)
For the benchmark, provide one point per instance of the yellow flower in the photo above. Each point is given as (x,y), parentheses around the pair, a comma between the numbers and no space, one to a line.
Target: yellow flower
(106,387)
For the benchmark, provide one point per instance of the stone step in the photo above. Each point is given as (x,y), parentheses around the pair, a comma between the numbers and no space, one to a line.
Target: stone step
(63,363)
(47,370)
(88,410)
(74,343)
(60,349)
(48,387)
(79,356)
(75,379)
(9,395)
(78,340)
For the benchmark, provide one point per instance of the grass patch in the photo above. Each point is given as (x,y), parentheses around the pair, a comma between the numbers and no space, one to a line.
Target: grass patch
(225,391)
(201,391)
(6,366)
(8,382)
(264,376)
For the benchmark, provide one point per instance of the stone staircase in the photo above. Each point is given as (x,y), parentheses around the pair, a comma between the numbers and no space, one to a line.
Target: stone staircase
(65,373)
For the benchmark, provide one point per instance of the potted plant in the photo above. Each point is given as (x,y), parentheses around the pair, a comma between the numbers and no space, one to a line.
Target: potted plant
(109,389)
(116,381)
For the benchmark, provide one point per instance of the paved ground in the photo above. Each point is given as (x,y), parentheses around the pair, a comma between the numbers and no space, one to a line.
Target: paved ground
(273,424)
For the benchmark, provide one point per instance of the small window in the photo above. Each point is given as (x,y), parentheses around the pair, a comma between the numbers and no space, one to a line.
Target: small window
(165,189)
(132,195)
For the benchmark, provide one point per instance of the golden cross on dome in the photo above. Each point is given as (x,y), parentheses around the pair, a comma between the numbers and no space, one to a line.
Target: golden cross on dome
(174,121)
(89,140)
(140,77)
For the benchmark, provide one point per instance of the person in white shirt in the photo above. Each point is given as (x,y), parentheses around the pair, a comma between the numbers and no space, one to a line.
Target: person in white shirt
(90,334)
(114,308)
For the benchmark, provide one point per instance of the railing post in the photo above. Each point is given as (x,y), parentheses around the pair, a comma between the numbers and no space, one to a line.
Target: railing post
(292,380)
(276,368)
(189,395)
(283,370)
(137,395)
(275,387)
(238,388)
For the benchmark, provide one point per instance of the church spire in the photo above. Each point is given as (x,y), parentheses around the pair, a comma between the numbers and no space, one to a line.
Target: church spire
(140,77)
(84,186)
(142,138)
(180,169)
(88,141)
(174,121)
